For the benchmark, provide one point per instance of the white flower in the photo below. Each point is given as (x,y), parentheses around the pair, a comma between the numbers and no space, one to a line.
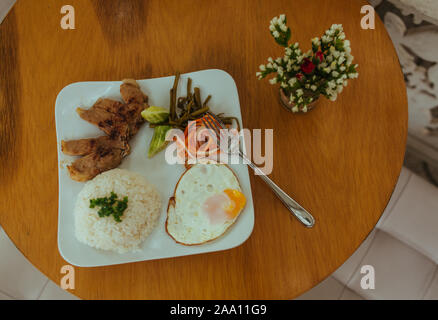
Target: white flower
(341,60)
(340,88)
(299,59)
(296,45)
(331,84)
(333,65)
(348,50)
(288,51)
(269,65)
(313,87)
(274,20)
(307,86)
(299,92)
(292,98)
(275,34)
(258,74)
(346,43)
(272,27)
(305,109)
(283,85)
(342,68)
(273,81)
(333,97)
(295,109)
(336,54)
(339,81)
(335,74)
(270,59)
(342,36)
(327,70)
(345,83)
(300,100)
(278,60)
(283,28)
(262,67)
(282,17)
(292,81)
(280,71)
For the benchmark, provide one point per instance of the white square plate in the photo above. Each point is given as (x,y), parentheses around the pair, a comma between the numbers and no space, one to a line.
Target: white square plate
(158,245)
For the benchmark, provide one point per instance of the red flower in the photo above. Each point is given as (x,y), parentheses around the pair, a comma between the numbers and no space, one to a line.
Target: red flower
(299,76)
(307,66)
(320,56)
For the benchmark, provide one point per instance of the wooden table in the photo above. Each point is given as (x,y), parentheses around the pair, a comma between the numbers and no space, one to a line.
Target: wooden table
(341,161)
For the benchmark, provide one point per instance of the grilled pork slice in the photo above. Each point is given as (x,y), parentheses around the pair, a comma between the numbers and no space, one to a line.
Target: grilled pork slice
(136,102)
(111,123)
(120,121)
(131,93)
(100,160)
(82,147)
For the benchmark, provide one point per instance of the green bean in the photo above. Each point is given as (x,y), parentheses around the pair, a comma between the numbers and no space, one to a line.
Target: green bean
(189,87)
(173,97)
(198,102)
(200,111)
(228,120)
(172,106)
(206,100)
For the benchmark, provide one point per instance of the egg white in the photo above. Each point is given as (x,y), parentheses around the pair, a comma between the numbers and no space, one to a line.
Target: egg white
(187,223)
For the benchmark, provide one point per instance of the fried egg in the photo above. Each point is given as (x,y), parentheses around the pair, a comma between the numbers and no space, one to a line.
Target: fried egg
(207,200)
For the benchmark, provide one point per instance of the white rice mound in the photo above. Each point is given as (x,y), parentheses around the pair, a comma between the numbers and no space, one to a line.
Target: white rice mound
(138,220)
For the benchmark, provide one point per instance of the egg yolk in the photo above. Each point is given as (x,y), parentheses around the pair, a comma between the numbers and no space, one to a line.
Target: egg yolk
(224,206)
(238,201)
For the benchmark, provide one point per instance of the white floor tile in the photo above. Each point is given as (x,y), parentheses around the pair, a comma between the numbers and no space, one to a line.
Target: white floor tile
(400,271)
(432,292)
(18,277)
(403,179)
(414,218)
(54,292)
(5,6)
(329,289)
(345,272)
(4,296)
(350,295)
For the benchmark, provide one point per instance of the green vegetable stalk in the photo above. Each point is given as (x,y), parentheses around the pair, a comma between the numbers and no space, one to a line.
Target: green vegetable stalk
(158,141)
